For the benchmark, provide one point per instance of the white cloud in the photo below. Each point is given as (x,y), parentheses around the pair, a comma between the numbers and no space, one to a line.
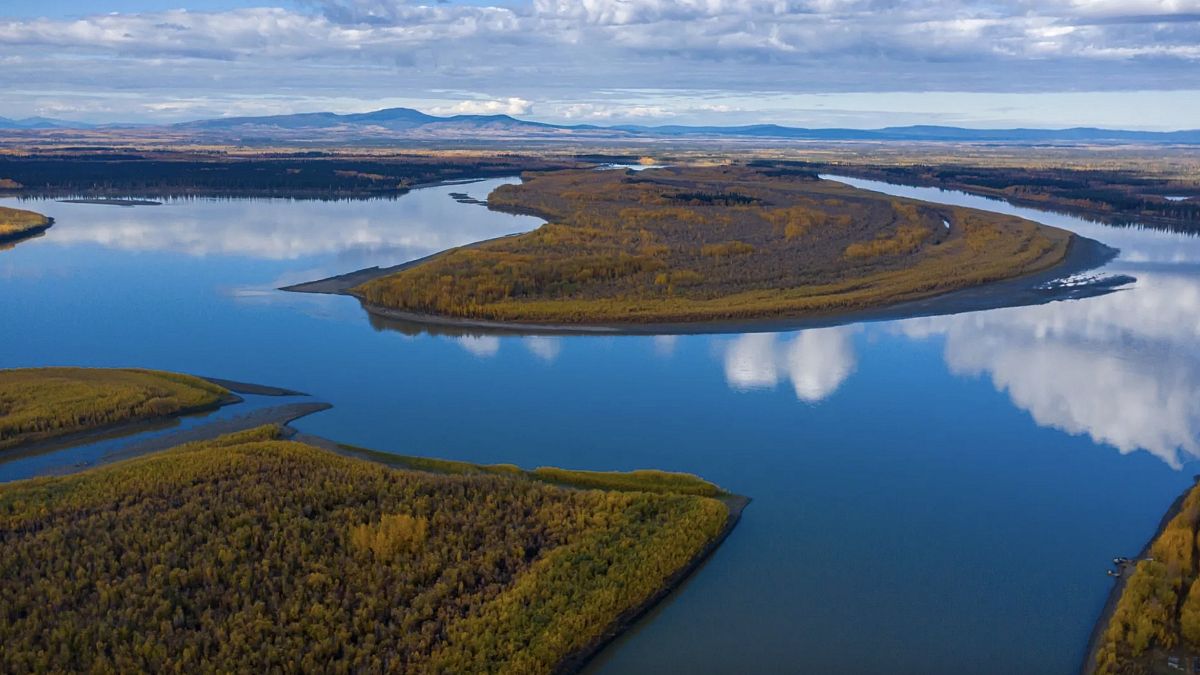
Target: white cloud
(505,106)
(570,51)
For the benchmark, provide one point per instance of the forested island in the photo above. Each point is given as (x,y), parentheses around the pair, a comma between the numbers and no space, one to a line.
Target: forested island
(18,224)
(1153,623)
(41,404)
(254,551)
(708,243)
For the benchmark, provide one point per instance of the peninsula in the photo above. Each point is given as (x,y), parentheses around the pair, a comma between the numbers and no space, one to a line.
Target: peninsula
(698,244)
(260,547)
(18,224)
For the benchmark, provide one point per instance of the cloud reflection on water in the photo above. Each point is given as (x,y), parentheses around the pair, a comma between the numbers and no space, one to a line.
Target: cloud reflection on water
(816,361)
(1123,369)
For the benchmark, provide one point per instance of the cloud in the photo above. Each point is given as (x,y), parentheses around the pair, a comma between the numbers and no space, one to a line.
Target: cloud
(573,52)
(507,106)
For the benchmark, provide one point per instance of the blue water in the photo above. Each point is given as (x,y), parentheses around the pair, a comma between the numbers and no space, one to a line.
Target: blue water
(933,495)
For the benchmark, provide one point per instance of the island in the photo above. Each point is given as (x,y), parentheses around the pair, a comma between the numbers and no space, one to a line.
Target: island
(1151,623)
(678,246)
(263,547)
(61,404)
(18,224)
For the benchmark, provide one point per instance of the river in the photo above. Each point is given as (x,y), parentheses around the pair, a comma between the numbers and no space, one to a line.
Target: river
(931,495)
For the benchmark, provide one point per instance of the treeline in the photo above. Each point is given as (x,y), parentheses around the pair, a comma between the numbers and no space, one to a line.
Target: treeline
(644,247)
(252,554)
(42,403)
(1119,197)
(205,174)
(1158,613)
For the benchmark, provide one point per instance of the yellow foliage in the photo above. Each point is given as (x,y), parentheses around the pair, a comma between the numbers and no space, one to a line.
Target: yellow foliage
(42,403)
(392,535)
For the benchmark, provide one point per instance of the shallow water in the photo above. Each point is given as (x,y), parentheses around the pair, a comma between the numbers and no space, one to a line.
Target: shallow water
(931,495)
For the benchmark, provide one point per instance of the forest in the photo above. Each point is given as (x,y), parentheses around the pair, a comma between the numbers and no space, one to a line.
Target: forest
(1115,196)
(17,224)
(303,175)
(1158,613)
(250,553)
(642,480)
(37,404)
(712,243)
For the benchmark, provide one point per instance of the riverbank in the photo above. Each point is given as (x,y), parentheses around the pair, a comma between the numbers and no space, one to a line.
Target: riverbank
(579,659)
(1090,663)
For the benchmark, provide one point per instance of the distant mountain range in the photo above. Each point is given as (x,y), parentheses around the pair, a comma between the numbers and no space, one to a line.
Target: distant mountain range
(409,124)
(41,123)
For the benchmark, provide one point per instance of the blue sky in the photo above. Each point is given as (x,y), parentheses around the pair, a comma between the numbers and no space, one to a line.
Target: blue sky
(856,63)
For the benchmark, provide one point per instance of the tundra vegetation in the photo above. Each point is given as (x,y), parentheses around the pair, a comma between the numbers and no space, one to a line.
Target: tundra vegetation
(249,553)
(1158,613)
(712,243)
(16,224)
(38,404)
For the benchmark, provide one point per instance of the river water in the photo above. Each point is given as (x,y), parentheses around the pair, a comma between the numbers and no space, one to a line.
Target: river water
(931,495)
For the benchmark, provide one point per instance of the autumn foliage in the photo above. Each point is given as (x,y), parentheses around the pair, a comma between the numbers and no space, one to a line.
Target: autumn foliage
(253,554)
(712,243)
(1159,610)
(37,404)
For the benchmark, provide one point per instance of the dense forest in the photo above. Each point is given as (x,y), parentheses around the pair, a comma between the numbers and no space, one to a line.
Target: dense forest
(253,554)
(16,224)
(642,480)
(37,404)
(704,243)
(1158,614)
(1118,197)
(315,175)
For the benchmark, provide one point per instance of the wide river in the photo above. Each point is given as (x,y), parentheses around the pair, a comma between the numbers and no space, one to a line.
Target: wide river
(932,495)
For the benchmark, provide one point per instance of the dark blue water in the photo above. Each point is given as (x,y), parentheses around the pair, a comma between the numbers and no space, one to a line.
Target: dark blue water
(933,495)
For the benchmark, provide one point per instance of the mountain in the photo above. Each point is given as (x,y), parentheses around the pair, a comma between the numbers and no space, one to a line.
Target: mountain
(404,122)
(41,123)
(395,124)
(414,124)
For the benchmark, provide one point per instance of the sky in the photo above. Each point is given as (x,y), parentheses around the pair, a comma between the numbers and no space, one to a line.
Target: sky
(1131,64)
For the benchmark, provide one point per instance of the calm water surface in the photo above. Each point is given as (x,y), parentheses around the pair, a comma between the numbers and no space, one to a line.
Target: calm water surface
(932,495)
